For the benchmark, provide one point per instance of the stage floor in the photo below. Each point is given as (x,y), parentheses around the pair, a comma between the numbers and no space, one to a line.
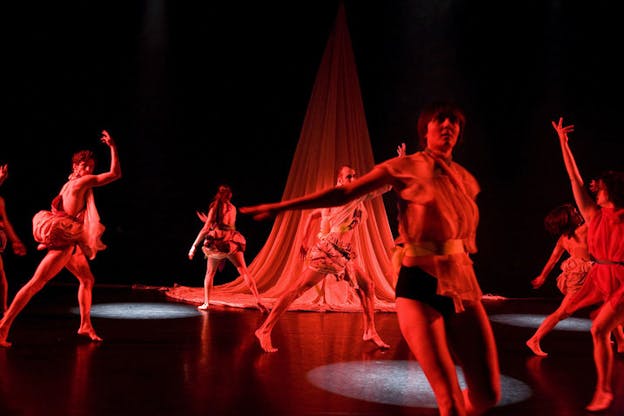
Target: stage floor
(161,357)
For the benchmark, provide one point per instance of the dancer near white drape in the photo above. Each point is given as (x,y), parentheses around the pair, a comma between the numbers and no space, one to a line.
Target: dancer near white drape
(438,299)
(332,254)
(219,241)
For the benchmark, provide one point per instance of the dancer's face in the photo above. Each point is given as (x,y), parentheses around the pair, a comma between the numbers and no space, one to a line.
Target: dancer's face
(443,132)
(347,175)
(84,168)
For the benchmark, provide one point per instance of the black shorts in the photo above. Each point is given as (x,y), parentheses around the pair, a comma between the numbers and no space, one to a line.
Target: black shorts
(414,283)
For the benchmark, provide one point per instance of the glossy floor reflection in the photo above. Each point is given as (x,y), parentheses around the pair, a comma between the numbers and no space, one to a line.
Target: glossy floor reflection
(165,358)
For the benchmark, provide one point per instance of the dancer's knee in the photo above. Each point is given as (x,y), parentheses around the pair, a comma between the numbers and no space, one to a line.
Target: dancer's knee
(560,315)
(87,281)
(600,331)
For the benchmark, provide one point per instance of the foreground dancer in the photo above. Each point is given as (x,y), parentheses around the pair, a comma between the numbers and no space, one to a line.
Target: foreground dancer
(7,233)
(71,233)
(219,240)
(438,299)
(567,224)
(605,280)
(331,255)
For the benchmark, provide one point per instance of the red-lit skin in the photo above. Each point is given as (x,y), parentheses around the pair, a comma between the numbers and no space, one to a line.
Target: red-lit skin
(310,278)
(608,317)
(575,245)
(430,338)
(72,257)
(212,263)
(4,173)
(18,248)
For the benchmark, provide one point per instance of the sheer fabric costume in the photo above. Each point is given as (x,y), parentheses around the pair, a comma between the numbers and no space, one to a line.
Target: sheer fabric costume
(606,246)
(56,229)
(222,239)
(575,268)
(438,219)
(331,254)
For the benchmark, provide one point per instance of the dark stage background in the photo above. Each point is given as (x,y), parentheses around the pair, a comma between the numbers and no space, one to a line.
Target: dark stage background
(202,93)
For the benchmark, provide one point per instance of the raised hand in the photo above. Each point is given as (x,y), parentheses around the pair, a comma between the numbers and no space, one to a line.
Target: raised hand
(4,173)
(562,130)
(401,150)
(106,139)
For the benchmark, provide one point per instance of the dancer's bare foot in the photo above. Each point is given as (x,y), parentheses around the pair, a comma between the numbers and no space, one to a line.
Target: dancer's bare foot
(203,307)
(265,340)
(470,410)
(535,347)
(90,332)
(262,307)
(3,336)
(375,338)
(600,402)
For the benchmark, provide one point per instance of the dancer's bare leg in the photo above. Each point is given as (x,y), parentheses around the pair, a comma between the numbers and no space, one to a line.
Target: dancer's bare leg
(263,333)
(603,325)
(423,329)
(211,270)
(4,288)
(79,267)
(474,346)
(366,293)
(548,324)
(618,333)
(238,260)
(570,304)
(50,266)
(321,298)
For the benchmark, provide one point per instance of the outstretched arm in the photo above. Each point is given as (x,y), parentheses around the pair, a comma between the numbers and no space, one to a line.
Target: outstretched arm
(17,245)
(401,152)
(202,233)
(584,201)
(330,197)
(550,264)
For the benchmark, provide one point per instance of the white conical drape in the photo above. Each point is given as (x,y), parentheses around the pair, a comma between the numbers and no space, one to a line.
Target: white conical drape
(334,133)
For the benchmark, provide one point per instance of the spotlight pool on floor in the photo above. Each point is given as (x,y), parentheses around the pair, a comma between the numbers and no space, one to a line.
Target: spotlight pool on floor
(526,320)
(400,383)
(141,310)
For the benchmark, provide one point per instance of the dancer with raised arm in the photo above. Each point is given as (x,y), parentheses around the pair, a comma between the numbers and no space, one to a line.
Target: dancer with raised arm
(70,232)
(438,299)
(604,282)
